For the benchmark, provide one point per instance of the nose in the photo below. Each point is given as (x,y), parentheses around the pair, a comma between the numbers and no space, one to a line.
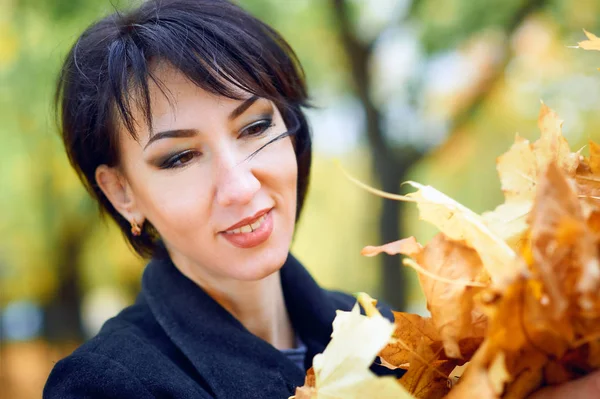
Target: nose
(236,183)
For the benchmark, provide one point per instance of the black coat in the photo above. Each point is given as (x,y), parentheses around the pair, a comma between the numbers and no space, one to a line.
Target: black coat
(177,342)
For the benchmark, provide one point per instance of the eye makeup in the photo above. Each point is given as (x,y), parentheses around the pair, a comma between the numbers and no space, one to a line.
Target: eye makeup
(258,128)
(260,116)
(177,160)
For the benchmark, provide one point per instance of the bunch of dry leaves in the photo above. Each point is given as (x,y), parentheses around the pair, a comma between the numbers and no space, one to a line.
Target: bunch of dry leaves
(514,293)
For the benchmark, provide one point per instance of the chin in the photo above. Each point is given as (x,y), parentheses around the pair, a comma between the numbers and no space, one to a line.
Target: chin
(259,266)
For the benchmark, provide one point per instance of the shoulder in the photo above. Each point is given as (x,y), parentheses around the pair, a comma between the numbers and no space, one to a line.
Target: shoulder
(89,374)
(98,368)
(131,357)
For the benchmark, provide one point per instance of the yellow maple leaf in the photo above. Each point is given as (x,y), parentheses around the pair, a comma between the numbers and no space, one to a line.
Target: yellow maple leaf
(509,222)
(593,42)
(342,370)
(552,146)
(519,170)
(520,167)
(459,223)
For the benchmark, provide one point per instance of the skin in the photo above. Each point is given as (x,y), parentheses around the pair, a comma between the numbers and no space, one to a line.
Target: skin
(583,388)
(211,185)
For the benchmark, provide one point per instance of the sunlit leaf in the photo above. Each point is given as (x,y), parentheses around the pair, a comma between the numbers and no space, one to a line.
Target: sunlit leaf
(342,370)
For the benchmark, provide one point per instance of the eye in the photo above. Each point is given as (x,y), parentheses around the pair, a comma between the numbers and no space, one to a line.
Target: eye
(179,160)
(257,128)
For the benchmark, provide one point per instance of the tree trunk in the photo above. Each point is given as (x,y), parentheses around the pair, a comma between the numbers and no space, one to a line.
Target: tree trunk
(62,316)
(393,280)
(387,169)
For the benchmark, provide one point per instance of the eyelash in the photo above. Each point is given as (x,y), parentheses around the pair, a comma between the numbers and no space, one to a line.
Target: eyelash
(172,162)
(264,124)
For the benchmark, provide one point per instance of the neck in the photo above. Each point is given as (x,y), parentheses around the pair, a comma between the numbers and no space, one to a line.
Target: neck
(258,305)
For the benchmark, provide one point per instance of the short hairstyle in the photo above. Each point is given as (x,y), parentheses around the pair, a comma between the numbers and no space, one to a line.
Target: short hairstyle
(217,45)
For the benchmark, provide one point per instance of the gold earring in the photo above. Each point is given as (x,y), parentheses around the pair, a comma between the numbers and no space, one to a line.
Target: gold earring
(135,229)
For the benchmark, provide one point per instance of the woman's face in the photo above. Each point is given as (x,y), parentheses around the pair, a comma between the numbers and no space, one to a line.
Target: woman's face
(220,213)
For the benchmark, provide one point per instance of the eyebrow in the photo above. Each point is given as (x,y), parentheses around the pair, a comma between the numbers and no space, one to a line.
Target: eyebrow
(240,109)
(180,133)
(171,134)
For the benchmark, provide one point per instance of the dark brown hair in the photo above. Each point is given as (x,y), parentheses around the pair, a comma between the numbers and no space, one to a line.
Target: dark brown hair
(217,45)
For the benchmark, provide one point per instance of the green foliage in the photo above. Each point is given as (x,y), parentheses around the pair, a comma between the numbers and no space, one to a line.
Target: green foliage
(445,24)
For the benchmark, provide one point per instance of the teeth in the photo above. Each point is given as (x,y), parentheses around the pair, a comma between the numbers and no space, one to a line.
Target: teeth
(257,224)
(249,227)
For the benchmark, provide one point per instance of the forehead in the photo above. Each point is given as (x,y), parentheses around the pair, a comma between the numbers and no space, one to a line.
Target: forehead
(173,93)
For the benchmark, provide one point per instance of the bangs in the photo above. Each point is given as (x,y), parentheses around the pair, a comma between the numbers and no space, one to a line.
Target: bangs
(228,62)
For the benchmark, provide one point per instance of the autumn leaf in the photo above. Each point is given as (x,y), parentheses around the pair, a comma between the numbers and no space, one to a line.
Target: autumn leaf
(427,376)
(588,186)
(593,42)
(514,294)
(520,167)
(526,324)
(450,274)
(564,250)
(451,305)
(475,384)
(410,330)
(509,222)
(552,147)
(308,390)
(459,223)
(529,378)
(519,170)
(506,364)
(407,246)
(342,370)
(305,392)
(594,160)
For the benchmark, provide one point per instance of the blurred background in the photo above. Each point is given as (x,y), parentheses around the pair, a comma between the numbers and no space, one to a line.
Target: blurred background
(423,90)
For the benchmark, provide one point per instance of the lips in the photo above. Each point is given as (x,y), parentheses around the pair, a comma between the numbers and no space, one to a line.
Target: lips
(242,238)
(248,220)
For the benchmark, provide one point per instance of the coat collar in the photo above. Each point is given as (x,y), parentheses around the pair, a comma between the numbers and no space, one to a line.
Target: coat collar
(232,360)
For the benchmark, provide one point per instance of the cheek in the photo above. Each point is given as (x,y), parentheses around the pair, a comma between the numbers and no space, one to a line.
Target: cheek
(285,171)
(173,203)
(281,164)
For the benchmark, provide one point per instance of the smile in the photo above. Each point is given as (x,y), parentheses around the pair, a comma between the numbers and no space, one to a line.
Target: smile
(251,232)
(249,228)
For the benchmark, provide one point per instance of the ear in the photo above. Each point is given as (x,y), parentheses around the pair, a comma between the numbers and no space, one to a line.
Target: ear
(115,187)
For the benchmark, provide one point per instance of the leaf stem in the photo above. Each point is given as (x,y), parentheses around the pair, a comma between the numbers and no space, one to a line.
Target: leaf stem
(411,263)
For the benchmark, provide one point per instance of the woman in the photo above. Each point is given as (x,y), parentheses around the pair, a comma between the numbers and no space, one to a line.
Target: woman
(183,119)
